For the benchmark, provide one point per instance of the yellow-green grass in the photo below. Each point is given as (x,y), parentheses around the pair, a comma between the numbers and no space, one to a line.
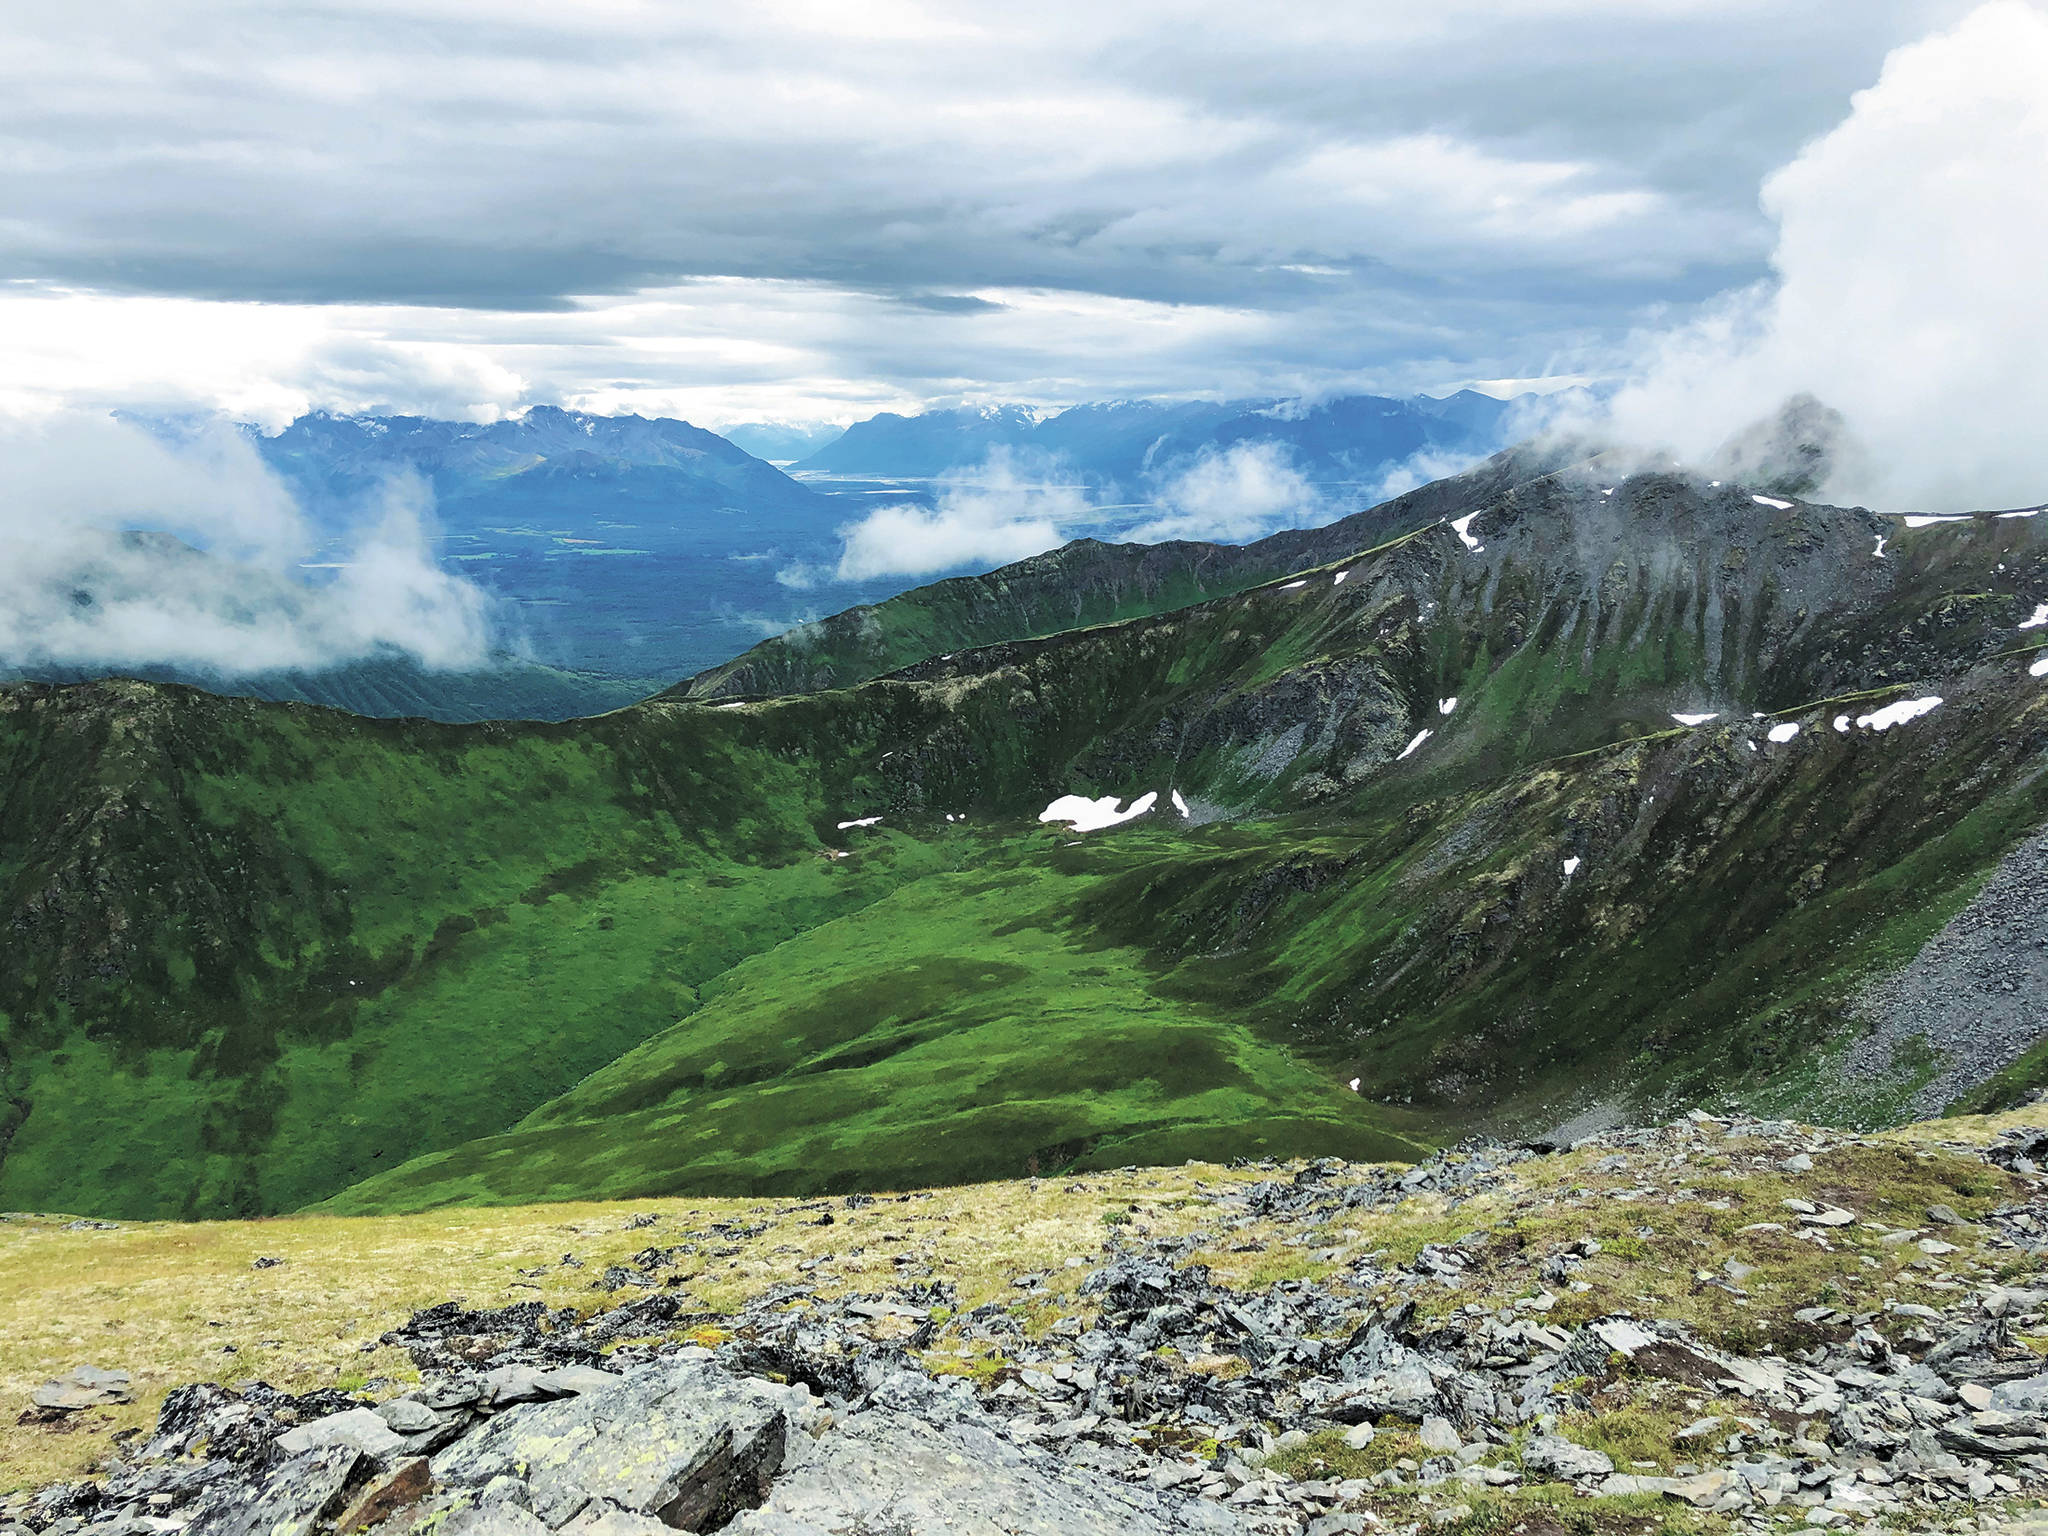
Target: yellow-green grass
(168,1301)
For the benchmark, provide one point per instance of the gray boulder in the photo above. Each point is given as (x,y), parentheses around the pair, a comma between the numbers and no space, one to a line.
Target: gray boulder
(686,1444)
(1555,1456)
(408,1416)
(1408,1391)
(291,1500)
(922,1463)
(360,1429)
(86,1386)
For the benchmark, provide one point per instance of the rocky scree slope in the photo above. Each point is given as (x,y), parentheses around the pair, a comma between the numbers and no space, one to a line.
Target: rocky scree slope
(1716,1325)
(389,939)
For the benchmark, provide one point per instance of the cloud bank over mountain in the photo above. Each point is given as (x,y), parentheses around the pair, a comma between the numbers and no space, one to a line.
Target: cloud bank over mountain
(1906,290)
(119,549)
(1015,505)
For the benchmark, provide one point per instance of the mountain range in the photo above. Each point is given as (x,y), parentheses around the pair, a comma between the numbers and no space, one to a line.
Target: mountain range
(1347,438)
(622,552)
(1569,785)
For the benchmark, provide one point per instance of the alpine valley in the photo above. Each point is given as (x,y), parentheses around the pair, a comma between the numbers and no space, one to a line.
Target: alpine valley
(1566,787)
(617,553)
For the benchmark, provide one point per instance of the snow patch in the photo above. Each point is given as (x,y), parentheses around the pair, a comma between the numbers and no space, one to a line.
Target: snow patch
(865,821)
(1772,501)
(1879,551)
(1937,517)
(1898,714)
(1462,527)
(2039,668)
(1092,815)
(1842,724)
(1355,1082)
(1340,578)
(2040,617)
(1180,804)
(1571,866)
(1292,585)
(1608,492)
(2028,512)
(1785,732)
(1445,706)
(1415,741)
(1696,719)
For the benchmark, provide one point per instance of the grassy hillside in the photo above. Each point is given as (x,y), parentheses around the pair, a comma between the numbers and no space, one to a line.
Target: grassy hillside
(266,950)
(265,954)
(955,1029)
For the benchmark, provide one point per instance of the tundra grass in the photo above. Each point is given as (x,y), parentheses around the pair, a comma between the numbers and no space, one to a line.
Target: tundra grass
(960,1027)
(177,1302)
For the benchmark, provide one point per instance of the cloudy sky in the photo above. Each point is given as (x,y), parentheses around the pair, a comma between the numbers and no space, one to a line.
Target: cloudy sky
(805,210)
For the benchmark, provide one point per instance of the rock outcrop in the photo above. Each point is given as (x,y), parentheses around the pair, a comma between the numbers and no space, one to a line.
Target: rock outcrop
(1173,1402)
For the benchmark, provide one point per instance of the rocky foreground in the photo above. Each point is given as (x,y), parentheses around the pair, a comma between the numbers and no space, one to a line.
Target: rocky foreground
(1828,1333)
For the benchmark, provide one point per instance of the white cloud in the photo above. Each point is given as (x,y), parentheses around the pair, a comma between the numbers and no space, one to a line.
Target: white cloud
(1233,494)
(217,586)
(1908,292)
(1419,468)
(988,517)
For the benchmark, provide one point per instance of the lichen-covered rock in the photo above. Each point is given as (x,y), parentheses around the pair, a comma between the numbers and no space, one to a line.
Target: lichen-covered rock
(683,1442)
(1555,1456)
(919,1460)
(361,1428)
(290,1500)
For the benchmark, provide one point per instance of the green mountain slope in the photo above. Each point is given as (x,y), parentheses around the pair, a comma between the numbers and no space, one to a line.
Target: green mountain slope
(1083,583)
(401,688)
(960,1027)
(267,953)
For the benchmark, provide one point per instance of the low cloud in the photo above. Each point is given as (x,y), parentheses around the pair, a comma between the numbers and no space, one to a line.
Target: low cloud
(1418,469)
(122,550)
(1231,495)
(1907,293)
(1009,509)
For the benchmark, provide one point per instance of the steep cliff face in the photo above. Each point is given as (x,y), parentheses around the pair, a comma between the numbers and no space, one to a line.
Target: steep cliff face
(1554,775)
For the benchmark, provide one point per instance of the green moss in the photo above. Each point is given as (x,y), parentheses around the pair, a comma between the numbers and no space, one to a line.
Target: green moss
(1325,1455)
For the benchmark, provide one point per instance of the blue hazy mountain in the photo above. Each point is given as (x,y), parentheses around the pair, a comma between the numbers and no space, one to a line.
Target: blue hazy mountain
(1355,437)
(782,442)
(622,547)
(327,456)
